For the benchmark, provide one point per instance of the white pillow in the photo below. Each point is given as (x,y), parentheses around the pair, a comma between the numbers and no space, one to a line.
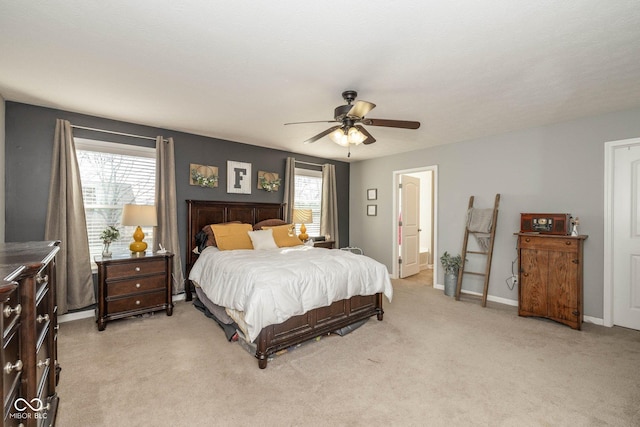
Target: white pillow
(262,239)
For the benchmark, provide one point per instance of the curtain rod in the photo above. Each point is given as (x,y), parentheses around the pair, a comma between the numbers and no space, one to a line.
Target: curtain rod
(307,163)
(116,133)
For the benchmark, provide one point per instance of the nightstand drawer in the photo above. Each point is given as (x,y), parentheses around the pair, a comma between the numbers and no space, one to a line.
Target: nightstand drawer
(136,302)
(11,355)
(135,268)
(128,287)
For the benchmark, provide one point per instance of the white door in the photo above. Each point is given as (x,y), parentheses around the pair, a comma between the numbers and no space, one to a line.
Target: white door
(626,237)
(410,235)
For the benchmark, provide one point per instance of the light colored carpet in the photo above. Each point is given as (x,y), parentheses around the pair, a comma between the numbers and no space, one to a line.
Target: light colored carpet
(432,361)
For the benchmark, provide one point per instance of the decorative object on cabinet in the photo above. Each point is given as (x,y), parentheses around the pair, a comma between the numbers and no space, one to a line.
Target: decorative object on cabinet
(29,333)
(108,236)
(268,181)
(372,194)
(131,285)
(203,176)
(139,215)
(238,177)
(574,226)
(550,277)
(372,210)
(451,266)
(302,217)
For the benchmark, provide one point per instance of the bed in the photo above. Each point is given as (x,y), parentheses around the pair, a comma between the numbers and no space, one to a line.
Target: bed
(299,328)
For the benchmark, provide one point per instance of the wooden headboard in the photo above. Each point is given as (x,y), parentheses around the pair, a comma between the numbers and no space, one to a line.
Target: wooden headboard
(205,212)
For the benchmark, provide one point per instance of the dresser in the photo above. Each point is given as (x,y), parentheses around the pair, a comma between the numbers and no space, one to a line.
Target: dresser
(550,277)
(131,285)
(29,333)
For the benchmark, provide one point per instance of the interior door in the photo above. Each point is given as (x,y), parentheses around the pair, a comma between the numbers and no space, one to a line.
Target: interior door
(626,237)
(410,234)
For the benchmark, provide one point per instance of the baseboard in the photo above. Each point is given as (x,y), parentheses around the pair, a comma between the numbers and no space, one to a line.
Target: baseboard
(587,319)
(85,314)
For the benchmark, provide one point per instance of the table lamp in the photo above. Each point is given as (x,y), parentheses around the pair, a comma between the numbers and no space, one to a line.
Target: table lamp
(139,215)
(302,217)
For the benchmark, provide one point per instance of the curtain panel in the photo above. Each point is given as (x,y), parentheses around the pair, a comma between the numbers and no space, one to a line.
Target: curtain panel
(289,188)
(329,216)
(66,222)
(166,233)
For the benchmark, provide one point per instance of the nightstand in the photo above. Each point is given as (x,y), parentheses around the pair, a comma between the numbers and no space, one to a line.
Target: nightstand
(130,285)
(327,244)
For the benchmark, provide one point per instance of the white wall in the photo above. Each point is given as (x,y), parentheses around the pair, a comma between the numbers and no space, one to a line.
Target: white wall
(2,156)
(555,168)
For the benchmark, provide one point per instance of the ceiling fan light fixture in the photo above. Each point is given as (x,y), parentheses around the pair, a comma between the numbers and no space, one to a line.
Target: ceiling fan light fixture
(352,136)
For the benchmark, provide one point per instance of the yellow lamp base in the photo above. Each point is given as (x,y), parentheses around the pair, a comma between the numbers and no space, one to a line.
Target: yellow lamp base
(138,247)
(303,233)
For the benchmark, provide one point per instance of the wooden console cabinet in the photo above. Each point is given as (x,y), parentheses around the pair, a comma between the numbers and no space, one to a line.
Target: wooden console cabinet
(28,321)
(130,285)
(550,277)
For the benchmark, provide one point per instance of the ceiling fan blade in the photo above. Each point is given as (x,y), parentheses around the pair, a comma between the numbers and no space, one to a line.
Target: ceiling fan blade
(361,109)
(321,134)
(405,124)
(370,139)
(318,121)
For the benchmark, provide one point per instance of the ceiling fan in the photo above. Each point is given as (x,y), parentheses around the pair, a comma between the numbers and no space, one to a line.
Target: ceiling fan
(350,117)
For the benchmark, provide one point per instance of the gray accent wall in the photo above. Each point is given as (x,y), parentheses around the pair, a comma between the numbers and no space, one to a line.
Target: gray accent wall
(555,168)
(29,140)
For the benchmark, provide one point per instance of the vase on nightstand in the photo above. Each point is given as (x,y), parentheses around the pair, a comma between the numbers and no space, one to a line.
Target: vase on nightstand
(105,250)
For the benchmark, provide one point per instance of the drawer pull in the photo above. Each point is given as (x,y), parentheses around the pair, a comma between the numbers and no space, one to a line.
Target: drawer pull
(138,302)
(42,319)
(138,285)
(43,363)
(527,239)
(8,368)
(568,243)
(41,279)
(137,268)
(8,311)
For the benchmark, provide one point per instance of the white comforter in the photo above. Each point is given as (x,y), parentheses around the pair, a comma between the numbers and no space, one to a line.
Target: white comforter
(270,286)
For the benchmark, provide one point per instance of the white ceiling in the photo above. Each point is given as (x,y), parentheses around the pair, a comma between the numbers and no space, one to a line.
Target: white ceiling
(239,70)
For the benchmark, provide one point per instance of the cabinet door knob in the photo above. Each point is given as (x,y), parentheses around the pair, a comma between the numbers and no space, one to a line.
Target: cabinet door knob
(8,311)
(525,274)
(8,368)
(137,268)
(41,319)
(138,302)
(137,285)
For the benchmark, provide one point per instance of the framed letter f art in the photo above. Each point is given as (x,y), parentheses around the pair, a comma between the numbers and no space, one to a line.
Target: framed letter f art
(238,177)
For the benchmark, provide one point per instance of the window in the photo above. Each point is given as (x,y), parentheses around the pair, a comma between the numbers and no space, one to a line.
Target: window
(113,175)
(308,185)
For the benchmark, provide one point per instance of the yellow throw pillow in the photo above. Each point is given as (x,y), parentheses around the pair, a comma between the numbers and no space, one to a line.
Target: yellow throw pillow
(281,236)
(232,236)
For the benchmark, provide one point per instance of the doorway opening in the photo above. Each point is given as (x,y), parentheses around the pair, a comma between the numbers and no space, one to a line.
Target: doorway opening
(423,247)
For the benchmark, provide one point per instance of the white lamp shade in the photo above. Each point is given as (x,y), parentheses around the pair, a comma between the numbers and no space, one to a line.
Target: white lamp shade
(302,216)
(139,215)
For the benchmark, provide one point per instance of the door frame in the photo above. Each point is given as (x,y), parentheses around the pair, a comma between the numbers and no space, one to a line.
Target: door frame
(395,273)
(607,297)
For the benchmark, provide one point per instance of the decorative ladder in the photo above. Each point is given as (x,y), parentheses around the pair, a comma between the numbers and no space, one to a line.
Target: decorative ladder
(488,253)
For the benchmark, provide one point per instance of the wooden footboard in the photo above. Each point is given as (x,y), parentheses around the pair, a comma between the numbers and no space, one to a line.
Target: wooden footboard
(314,323)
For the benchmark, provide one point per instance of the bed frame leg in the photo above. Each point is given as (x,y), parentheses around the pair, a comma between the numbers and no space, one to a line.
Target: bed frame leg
(261,350)
(379,306)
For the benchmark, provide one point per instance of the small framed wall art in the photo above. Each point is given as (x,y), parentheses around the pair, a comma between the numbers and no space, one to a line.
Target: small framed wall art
(268,181)
(372,194)
(203,175)
(238,177)
(372,210)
